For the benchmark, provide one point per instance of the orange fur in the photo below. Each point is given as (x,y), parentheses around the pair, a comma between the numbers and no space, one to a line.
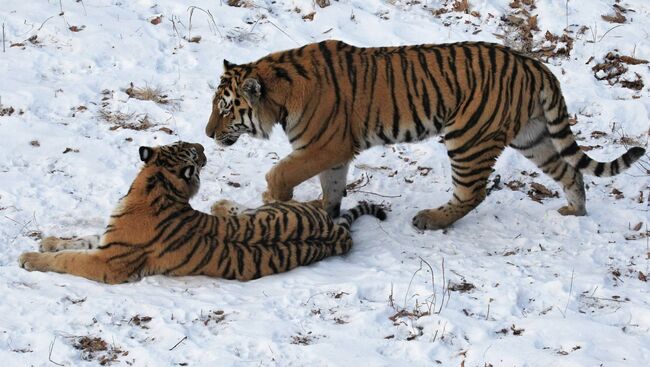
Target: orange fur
(334,100)
(154,230)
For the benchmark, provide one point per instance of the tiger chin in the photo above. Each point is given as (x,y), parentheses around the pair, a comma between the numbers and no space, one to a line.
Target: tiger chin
(334,100)
(154,230)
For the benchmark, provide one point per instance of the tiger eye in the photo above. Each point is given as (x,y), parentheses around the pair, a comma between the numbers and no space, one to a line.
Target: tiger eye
(237,103)
(226,93)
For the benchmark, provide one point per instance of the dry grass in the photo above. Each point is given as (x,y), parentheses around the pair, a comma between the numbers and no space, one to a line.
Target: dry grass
(616,18)
(613,67)
(121,120)
(97,349)
(147,93)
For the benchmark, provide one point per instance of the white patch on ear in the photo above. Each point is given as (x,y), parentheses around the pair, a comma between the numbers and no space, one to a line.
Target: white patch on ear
(145,153)
(188,172)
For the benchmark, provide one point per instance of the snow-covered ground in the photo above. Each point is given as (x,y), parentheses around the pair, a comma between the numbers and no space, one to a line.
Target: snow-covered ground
(512,284)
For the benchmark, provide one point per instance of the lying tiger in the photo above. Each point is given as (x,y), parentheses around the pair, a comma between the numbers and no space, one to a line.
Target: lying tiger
(334,100)
(154,230)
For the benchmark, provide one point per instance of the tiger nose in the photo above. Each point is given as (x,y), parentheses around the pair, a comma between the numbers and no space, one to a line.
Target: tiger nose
(210,128)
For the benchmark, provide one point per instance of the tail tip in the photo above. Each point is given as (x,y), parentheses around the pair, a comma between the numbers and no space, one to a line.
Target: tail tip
(380,213)
(635,153)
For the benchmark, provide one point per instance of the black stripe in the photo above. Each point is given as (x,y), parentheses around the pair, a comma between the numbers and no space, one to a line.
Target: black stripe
(600,167)
(583,162)
(570,150)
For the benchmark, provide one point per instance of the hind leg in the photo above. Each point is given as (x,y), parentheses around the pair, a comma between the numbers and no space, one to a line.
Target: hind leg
(469,177)
(535,143)
(54,244)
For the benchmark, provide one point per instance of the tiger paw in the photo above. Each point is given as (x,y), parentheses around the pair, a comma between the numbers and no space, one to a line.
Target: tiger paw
(226,208)
(571,210)
(33,261)
(54,244)
(431,219)
(51,244)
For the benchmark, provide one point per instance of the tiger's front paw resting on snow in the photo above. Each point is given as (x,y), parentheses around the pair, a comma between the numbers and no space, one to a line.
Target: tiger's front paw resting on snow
(226,208)
(33,261)
(54,244)
(432,219)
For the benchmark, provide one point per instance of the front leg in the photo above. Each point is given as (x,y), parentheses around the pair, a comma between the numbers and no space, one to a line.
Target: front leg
(88,264)
(299,166)
(333,181)
(54,244)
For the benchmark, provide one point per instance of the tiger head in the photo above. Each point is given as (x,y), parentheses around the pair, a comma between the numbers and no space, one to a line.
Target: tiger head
(174,167)
(235,106)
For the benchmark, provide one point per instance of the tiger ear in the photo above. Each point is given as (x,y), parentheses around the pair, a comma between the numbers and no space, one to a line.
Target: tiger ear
(145,154)
(227,65)
(251,90)
(187,172)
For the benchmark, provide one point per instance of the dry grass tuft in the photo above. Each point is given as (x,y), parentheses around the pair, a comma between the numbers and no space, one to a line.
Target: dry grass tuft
(613,67)
(616,18)
(147,93)
(97,349)
(121,120)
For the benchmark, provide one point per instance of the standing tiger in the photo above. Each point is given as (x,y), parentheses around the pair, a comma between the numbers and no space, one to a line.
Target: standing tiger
(334,100)
(154,230)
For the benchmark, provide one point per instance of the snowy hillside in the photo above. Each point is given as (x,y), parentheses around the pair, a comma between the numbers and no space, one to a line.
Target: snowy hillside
(84,83)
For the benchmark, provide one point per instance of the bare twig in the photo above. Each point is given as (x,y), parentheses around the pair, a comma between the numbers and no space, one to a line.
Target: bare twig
(285,33)
(45,21)
(570,291)
(487,315)
(384,196)
(566,12)
(176,31)
(84,6)
(442,301)
(408,289)
(176,345)
(609,30)
(433,285)
(210,19)
(3,37)
(49,357)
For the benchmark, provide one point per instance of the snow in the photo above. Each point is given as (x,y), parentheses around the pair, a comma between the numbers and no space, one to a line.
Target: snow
(548,290)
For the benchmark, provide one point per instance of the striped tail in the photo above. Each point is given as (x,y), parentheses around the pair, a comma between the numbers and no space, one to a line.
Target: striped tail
(557,118)
(346,219)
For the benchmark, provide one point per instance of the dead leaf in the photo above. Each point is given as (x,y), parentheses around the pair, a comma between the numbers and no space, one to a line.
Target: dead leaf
(616,18)
(617,194)
(156,20)
(309,16)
